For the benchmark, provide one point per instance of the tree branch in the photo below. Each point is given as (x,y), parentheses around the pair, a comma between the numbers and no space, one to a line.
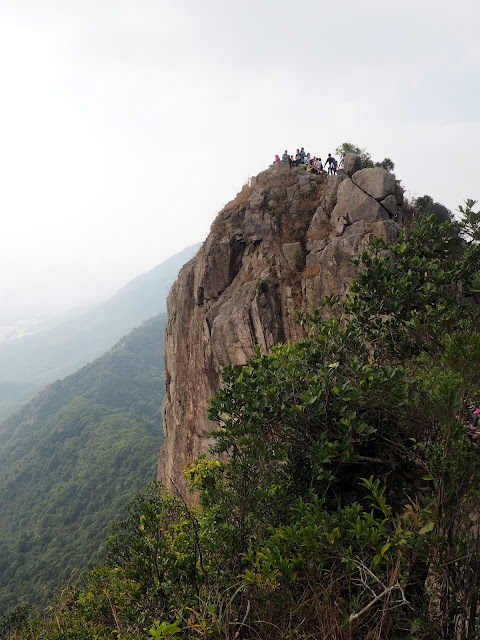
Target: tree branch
(386,591)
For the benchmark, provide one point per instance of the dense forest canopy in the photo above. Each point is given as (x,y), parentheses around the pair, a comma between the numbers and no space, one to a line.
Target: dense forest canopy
(71,459)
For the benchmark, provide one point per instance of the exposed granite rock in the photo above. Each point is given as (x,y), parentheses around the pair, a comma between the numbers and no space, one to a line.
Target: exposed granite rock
(377,182)
(293,254)
(353,203)
(351,164)
(247,281)
(291,191)
(390,204)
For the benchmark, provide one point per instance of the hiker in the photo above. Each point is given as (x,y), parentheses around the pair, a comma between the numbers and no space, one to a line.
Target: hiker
(277,158)
(316,166)
(473,414)
(302,155)
(476,417)
(331,164)
(287,158)
(472,426)
(298,157)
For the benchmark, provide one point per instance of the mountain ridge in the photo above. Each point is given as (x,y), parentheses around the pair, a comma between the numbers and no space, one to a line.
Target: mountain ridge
(31,362)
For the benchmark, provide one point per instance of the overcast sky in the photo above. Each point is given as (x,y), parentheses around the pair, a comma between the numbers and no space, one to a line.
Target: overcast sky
(125,125)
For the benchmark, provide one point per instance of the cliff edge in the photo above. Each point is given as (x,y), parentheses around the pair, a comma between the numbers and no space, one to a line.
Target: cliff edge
(281,245)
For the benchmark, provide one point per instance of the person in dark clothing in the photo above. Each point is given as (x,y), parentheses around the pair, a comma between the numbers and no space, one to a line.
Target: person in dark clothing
(331,164)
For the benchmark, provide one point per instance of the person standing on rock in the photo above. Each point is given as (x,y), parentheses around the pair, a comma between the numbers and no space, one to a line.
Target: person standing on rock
(287,158)
(331,164)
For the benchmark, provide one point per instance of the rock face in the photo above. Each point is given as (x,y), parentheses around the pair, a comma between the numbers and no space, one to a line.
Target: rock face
(283,244)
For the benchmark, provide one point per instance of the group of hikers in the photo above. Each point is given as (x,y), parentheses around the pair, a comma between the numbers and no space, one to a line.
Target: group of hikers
(305,161)
(472,426)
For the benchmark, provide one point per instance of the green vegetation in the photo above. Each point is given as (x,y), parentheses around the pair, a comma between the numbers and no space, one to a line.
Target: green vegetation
(425,206)
(341,497)
(13,395)
(367,162)
(71,459)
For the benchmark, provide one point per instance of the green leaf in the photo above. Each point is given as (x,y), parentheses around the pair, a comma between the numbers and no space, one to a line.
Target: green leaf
(426,528)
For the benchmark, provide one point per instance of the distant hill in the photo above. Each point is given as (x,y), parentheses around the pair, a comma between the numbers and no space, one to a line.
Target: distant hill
(72,458)
(29,363)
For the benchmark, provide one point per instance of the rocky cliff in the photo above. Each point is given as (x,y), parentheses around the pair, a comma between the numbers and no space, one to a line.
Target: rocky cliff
(282,244)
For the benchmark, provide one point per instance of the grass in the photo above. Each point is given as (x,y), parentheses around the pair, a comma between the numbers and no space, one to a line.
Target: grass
(241,197)
(310,272)
(321,233)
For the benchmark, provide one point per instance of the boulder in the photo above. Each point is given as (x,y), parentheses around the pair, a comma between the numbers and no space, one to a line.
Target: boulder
(333,182)
(377,182)
(390,203)
(387,230)
(354,204)
(360,227)
(351,164)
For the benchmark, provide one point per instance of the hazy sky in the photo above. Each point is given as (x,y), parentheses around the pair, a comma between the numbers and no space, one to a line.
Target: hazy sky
(125,125)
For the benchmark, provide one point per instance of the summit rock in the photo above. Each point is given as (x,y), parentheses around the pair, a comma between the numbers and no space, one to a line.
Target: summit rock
(280,246)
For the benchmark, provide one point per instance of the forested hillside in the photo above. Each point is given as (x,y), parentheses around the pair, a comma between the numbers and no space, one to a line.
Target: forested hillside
(72,458)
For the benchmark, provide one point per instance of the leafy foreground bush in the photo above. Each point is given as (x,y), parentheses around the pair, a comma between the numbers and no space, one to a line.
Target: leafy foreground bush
(341,499)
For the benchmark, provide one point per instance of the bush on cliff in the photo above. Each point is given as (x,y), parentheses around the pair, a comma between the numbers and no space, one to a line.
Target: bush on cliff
(341,499)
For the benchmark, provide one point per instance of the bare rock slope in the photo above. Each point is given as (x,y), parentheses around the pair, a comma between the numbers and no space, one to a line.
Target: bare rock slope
(283,244)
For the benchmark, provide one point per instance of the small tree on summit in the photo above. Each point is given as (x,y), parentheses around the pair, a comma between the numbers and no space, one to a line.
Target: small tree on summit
(367,162)
(386,164)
